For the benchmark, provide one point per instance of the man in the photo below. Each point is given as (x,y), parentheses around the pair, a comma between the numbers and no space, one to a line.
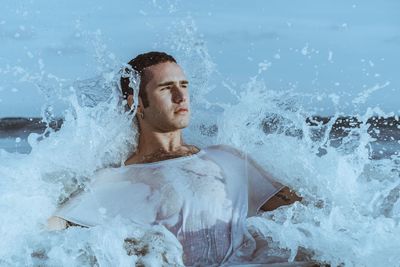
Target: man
(202,196)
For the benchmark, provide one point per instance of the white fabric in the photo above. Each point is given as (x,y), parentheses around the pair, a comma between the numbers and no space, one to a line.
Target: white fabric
(203,199)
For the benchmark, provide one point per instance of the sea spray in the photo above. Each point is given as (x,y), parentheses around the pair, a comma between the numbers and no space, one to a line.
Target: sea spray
(348,197)
(348,213)
(350,208)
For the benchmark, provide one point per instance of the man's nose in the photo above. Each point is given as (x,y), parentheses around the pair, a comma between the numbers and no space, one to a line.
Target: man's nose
(178,95)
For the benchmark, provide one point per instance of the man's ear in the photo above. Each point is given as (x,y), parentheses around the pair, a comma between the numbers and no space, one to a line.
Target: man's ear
(130,100)
(140,108)
(140,105)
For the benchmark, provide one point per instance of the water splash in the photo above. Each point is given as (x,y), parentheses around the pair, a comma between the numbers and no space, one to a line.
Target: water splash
(351,205)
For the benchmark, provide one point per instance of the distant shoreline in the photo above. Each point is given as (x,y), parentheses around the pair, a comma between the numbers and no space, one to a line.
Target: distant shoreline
(23,126)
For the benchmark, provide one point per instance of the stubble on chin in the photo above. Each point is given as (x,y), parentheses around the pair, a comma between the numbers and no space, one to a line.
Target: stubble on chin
(183,123)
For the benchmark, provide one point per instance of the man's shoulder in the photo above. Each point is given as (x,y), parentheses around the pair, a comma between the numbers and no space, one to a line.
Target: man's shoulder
(228,149)
(105,172)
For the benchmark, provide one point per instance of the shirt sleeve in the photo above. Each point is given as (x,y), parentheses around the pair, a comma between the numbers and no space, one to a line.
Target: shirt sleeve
(261,185)
(105,200)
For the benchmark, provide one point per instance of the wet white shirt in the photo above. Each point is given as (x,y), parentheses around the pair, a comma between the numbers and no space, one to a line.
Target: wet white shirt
(203,199)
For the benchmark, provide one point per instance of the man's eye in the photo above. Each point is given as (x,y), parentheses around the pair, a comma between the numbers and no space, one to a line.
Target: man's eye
(165,88)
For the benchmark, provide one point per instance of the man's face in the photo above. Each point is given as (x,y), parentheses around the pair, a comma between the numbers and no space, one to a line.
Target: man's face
(168,96)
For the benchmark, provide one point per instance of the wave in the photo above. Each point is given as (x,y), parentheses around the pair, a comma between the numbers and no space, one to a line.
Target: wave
(350,211)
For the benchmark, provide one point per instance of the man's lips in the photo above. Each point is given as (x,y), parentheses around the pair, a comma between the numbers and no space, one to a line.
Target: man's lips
(181,110)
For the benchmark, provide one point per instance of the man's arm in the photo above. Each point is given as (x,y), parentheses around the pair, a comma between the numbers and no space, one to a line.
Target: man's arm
(284,197)
(55,223)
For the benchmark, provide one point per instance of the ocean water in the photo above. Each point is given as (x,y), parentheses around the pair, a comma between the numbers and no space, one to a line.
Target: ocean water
(350,184)
(348,176)
(16,145)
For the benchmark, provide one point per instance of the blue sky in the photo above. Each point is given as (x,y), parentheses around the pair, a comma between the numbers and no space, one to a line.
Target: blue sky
(342,50)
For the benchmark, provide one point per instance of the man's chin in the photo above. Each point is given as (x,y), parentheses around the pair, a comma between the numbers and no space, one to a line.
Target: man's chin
(175,125)
(182,124)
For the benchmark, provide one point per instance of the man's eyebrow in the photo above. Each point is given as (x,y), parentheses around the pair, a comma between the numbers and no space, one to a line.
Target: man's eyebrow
(171,83)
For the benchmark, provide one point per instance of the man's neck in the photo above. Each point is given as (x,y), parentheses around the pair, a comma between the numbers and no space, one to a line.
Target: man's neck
(154,142)
(155,146)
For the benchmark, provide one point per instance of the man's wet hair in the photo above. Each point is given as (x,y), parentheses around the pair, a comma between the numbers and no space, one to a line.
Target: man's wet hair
(139,64)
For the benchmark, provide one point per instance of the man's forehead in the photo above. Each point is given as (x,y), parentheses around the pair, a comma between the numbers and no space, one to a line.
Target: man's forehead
(167,71)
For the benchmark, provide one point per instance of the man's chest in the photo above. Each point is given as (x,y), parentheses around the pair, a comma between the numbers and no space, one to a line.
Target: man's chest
(193,192)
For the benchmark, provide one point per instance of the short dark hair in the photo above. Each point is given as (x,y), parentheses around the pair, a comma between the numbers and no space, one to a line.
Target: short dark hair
(139,64)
